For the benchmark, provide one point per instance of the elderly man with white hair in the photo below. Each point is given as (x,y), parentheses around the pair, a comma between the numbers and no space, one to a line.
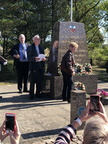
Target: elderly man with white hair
(36,57)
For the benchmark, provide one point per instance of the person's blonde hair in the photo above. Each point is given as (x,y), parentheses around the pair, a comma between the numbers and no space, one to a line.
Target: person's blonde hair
(73,44)
(96,132)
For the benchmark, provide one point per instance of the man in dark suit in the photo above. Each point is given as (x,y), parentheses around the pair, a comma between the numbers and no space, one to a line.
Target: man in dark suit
(53,58)
(36,57)
(21,62)
(67,68)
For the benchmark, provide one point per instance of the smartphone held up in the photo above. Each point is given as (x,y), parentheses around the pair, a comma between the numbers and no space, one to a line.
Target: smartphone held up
(94,103)
(10,122)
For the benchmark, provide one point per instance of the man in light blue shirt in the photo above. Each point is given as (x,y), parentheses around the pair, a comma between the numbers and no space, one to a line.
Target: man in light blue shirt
(19,53)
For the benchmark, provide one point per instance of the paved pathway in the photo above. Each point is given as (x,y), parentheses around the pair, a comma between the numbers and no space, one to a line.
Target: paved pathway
(40,120)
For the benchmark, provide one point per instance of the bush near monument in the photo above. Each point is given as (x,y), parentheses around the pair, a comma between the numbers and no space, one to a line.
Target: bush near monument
(99,55)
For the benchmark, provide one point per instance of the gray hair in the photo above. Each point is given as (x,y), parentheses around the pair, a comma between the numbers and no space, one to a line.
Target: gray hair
(21,35)
(36,36)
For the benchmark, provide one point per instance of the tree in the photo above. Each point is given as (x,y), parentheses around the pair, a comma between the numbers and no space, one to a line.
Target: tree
(38,17)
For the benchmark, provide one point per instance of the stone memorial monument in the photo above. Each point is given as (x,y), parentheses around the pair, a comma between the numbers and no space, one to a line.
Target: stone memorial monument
(65,32)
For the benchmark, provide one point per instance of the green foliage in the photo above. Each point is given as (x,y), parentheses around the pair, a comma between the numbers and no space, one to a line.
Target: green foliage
(38,17)
(101,72)
(88,12)
(99,55)
(8,72)
(31,18)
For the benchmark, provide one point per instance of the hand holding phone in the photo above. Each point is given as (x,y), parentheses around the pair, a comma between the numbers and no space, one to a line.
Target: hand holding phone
(94,103)
(15,137)
(10,122)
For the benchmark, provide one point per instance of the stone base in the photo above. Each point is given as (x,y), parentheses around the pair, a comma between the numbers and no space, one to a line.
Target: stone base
(54,84)
(90,82)
(78,104)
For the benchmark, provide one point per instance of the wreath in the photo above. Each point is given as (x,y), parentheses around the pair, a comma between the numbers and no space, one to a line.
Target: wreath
(79,86)
(83,69)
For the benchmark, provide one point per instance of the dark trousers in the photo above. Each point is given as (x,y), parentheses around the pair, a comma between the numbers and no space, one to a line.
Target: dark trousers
(38,89)
(22,74)
(67,86)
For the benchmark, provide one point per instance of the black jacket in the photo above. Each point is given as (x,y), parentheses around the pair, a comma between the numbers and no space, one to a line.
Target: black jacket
(36,68)
(15,50)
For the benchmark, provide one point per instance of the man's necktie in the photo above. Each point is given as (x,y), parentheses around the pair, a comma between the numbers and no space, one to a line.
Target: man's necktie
(24,53)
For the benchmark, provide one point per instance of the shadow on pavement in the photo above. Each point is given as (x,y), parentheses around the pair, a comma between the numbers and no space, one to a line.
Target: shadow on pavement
(8,92)
(23,102)
(41,133)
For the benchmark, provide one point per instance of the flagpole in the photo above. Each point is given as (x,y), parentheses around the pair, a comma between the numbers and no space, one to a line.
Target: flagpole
(71,10)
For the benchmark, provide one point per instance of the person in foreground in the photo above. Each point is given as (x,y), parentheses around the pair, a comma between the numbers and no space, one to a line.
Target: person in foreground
(95,132)
(14,137)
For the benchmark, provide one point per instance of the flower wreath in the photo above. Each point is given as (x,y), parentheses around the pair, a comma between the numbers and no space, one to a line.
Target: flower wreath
(79,86)
(83,69)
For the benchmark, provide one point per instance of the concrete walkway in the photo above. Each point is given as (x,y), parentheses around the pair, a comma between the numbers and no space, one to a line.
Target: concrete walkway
(40,120)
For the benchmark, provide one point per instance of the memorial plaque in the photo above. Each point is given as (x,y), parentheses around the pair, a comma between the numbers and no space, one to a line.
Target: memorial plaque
(65,32)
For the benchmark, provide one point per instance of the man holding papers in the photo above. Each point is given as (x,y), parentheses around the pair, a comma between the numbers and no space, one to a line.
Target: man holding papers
(36,57)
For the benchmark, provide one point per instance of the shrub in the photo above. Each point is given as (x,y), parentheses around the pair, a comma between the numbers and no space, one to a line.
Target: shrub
(99,56)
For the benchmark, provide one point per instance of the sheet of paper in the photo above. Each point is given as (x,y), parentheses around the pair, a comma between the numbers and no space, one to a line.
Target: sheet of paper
(41,56)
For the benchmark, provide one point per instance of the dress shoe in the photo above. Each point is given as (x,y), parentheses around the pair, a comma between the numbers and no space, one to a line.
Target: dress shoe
(20,90)
(39,95)
(64,99)
(25,90)
(69,101)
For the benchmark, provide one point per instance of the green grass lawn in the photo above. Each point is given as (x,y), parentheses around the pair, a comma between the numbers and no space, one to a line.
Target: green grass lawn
(101,72)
